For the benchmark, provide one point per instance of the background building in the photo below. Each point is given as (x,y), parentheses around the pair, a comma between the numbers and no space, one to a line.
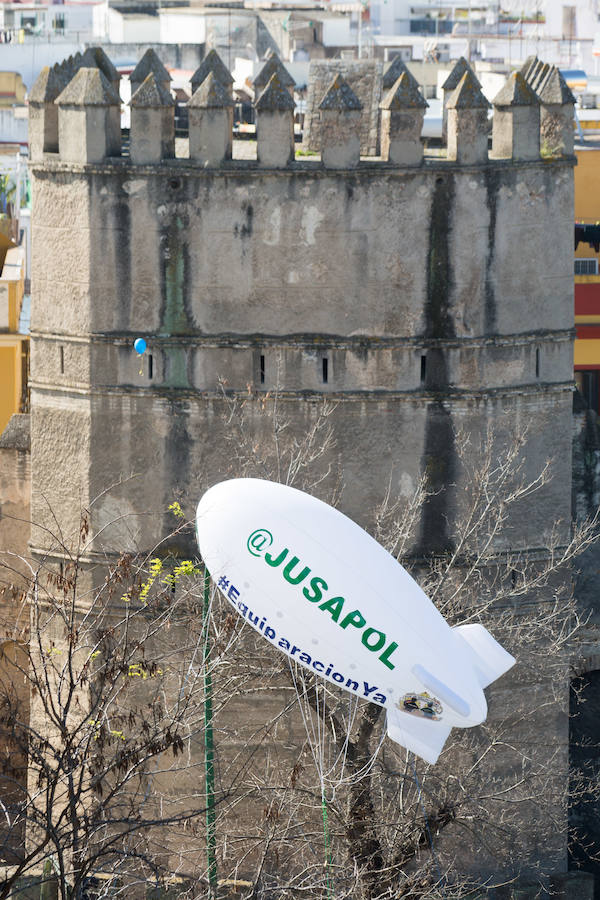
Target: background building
(587,278)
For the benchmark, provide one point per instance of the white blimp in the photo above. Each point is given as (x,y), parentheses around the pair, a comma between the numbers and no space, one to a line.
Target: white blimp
(323,591)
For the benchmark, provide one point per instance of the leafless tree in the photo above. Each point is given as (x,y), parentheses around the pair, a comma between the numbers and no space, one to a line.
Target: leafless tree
(101,695)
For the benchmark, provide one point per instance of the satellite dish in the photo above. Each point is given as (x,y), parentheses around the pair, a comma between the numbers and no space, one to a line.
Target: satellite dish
(325,593)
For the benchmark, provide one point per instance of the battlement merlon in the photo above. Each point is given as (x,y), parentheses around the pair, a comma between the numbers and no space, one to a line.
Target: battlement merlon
(210,121)
(402,113)
(516,124)
(95,57)
(450,85)
(80,93)
(212,63)
(149,64)
(152,122)
(340,126)
(468,122)
(274,66)
(89,113)
(43,113)
(275,124)
(556,115)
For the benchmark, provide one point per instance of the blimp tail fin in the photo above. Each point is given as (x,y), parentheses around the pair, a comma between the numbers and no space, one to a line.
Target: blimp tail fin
(424,737)
(442,691)
(490,660)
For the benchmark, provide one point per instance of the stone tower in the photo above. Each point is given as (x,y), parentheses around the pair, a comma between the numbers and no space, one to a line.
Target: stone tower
(425,297)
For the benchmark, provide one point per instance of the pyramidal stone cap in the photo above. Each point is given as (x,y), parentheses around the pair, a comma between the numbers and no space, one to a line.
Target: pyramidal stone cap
(528,66)
(455,76)
(393,73)
(151,94)
(340,96)
(534,72)
(95,56)
(467,94)
(66,70)
(273,66)
(275,96)
(212,94)
(404,95)
(555,89)
(147,64)
(75,62)
(516,92)
(212,62)
(47,86)
(539,78)
(69,67)
(89,87)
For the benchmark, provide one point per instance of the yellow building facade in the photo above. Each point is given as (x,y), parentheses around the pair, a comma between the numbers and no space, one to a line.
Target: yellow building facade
(14,347)
(12,89)
(587,274)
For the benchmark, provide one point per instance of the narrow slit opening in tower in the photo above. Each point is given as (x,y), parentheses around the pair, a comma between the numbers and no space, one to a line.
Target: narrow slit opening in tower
(262,369)
(537,362)
(150,366)
(61,351)
(423,368)
(325,370)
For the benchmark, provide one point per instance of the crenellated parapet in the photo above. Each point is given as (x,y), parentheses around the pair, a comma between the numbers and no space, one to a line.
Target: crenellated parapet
(532,117)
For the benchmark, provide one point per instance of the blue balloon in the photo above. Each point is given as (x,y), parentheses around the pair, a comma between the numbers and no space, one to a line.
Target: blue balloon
(139,345)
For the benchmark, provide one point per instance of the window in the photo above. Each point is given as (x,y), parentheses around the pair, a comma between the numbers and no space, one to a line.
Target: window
(587,385)
(586,266)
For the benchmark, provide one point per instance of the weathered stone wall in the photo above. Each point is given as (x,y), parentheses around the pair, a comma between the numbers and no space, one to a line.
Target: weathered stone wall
(364,77)
(15,491)
(374,272)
